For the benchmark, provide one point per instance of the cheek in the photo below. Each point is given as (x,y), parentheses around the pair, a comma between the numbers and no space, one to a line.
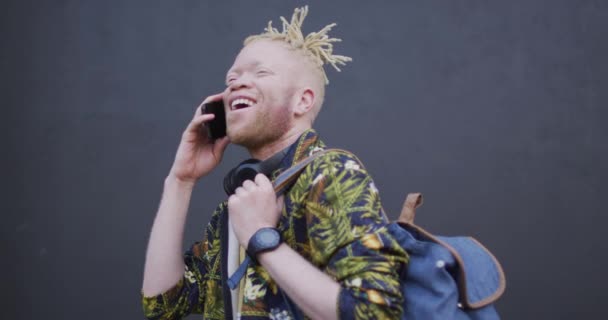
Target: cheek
(283,115)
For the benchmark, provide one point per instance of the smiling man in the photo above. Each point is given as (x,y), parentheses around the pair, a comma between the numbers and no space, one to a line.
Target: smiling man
(321,249)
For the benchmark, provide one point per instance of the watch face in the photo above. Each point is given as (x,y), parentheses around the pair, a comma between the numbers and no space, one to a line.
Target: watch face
(267,238)
(263,240)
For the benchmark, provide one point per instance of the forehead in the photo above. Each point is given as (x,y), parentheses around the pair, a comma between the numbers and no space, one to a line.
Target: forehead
(266,53)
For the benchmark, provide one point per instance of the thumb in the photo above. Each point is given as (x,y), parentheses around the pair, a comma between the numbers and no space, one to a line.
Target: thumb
(280,203)
(220,145)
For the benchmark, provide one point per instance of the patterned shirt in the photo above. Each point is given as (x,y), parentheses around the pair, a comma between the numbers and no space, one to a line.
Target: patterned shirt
(332,217)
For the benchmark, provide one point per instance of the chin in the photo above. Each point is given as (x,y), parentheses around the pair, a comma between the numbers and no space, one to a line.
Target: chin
(240,138)
(249,141)
(234,138)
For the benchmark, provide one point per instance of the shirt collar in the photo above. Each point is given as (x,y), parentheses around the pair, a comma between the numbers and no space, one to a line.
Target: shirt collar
(307,143)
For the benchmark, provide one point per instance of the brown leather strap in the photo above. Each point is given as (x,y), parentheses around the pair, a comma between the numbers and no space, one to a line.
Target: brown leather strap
(408,213)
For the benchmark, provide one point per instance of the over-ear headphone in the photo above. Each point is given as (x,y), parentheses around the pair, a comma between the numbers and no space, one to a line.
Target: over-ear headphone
(248,169)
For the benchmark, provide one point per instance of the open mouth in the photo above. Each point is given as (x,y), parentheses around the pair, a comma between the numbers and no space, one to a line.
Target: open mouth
(241,103)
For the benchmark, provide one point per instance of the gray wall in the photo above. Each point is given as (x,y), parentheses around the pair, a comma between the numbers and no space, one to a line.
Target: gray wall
(496,111)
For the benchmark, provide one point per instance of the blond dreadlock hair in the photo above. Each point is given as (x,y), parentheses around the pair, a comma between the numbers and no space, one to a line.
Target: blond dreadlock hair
(316,45)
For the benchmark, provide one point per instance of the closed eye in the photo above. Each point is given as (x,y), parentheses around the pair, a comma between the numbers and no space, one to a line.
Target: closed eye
(262,72)
(230,77)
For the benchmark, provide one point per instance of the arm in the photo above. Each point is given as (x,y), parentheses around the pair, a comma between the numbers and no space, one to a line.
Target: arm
(164,258)
(196,156)
(355,263)
(349,239)
(311,289)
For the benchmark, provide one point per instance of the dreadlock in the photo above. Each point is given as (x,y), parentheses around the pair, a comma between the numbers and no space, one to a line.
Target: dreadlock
(316,45)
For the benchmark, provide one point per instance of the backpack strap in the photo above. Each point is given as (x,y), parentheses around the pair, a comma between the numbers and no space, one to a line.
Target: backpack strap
(408,212)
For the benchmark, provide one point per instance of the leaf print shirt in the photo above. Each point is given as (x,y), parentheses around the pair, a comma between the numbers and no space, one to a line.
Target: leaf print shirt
(333,218)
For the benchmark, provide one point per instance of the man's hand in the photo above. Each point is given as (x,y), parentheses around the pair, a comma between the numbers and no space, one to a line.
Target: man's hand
(197,154)
(253,206)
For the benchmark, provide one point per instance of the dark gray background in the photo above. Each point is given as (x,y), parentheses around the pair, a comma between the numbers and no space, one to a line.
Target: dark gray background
(496,111)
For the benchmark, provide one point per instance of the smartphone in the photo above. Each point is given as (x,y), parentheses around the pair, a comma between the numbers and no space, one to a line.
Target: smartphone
(216,128)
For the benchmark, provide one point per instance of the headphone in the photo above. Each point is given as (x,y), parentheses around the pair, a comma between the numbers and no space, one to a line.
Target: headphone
(248,169)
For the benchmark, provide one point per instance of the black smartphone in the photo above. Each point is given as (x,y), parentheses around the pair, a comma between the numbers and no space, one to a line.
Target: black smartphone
(216,128)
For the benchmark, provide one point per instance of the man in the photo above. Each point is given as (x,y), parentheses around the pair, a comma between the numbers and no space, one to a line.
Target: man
(334,260)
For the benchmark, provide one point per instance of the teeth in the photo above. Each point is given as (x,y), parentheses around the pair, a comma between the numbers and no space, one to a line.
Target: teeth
(241,101)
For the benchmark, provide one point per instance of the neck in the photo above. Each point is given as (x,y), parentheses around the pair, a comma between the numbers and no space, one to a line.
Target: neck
(268,150)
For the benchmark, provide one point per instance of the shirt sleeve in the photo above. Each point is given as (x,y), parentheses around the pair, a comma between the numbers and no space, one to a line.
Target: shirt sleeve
(350,242)
(186,296)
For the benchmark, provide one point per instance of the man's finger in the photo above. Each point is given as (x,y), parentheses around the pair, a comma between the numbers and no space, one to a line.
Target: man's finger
(203,118)
(262,181)
(198,121)
(248,185)
(211,98)
(280,203)
(220,145)
(240,191)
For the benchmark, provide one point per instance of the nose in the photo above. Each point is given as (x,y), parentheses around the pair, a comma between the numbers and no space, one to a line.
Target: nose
(242,81)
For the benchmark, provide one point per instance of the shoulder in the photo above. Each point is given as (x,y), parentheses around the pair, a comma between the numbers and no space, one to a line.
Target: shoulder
(335,162)
(335,174)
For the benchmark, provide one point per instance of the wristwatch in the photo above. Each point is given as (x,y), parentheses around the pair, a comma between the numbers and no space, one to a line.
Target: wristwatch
(265,239)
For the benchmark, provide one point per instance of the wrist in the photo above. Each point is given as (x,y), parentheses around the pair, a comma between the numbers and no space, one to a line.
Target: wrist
(249,234)
(264,256)
(263,240)
(173,181)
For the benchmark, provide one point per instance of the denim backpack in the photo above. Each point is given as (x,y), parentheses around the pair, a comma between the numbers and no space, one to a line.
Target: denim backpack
(447,277)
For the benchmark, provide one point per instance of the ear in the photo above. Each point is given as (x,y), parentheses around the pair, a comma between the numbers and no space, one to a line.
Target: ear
(305,103)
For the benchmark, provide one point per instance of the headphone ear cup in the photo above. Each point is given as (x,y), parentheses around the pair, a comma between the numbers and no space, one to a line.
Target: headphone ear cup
(228,184)
(246,170)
